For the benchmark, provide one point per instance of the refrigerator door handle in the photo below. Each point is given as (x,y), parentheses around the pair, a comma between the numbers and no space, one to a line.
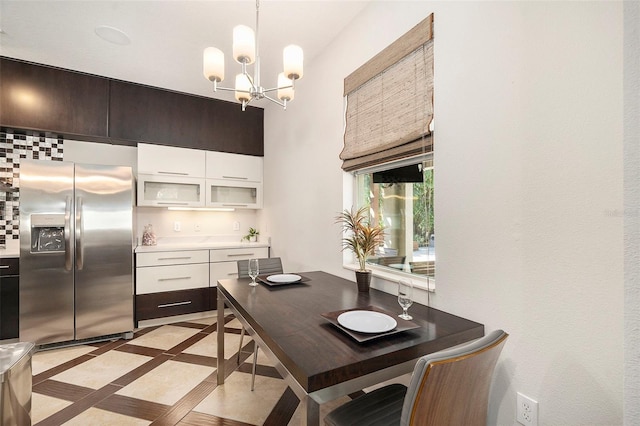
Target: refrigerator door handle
(67,234)
(79,232)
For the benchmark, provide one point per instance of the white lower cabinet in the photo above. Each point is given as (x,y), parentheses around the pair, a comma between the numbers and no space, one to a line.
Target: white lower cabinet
(178,282)
(163,258)
(235,254)
(169,278)
(224,262)
(222,270)
(171,283)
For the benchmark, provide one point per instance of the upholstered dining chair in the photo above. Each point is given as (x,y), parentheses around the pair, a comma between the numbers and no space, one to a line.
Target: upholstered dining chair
(450,387)
(267,265)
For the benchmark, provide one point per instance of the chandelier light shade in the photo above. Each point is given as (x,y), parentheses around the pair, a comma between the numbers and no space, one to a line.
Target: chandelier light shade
(285,88)
(292,57)
(245,52)
(244,45)
(213,64)
(243,88)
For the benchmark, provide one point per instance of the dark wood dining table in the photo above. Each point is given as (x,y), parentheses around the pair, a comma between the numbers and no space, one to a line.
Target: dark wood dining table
(320,361)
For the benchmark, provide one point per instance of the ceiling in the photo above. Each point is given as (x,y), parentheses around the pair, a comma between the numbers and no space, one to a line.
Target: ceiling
(167,37)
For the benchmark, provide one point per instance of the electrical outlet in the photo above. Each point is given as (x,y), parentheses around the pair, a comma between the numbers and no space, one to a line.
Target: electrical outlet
(176,226)
(196,227)
(526,410)
(236,226)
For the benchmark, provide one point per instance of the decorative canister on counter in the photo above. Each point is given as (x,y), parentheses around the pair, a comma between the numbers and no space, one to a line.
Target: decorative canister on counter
(148,236)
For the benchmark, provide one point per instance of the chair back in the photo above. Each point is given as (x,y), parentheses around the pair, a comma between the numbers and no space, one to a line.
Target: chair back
(267,265)
(451,387)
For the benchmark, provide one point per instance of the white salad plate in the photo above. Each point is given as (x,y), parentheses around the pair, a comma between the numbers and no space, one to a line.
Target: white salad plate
(284,278)
(367,321)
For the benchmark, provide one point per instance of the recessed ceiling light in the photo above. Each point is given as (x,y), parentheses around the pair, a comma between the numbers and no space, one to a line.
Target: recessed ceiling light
(112,35)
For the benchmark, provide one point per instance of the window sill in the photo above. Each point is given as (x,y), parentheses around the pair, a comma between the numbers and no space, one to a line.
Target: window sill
(424,283)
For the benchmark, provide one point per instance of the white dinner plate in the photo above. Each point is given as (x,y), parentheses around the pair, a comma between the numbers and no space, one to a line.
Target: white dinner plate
(367,321)
(284,278)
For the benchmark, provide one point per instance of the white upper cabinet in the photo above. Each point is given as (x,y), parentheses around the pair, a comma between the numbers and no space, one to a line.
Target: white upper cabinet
(229,194)
(237,167)
(170,176)
(170,191)
(171,161)
(234,180)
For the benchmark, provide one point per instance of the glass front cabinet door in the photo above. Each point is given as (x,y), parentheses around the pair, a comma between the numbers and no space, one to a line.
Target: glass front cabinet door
(167,191)
(226,193)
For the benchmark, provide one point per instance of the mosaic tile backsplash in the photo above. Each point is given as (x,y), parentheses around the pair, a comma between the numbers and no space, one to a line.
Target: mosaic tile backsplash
(16,145)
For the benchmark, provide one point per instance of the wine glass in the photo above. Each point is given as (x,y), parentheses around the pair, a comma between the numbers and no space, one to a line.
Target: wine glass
(405,297)
(254,270)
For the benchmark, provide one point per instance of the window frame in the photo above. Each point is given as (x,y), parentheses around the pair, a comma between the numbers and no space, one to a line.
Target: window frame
(389,274)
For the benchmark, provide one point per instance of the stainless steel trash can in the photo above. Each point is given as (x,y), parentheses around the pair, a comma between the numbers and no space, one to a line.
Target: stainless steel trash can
(15,383)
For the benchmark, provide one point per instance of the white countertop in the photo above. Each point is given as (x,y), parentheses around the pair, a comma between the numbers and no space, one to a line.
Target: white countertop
(166,244)
(197,243)
(12,248)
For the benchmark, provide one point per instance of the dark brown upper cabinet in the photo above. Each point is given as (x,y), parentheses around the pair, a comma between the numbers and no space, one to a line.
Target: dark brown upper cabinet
(88,107)
(51,99)
(147,114)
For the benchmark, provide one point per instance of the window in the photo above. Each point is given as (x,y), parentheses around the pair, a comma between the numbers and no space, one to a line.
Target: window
(388,145)
(400,196)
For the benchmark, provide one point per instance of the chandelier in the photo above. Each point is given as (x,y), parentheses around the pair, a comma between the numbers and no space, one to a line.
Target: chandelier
(245,52)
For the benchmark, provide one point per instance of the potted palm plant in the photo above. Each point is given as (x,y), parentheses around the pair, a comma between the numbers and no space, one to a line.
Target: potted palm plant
(362,239)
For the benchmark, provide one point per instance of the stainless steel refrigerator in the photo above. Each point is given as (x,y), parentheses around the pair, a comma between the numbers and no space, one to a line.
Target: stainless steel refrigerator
(76,251)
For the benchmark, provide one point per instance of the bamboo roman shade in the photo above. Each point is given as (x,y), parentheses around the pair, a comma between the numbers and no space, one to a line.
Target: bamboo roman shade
(390,102)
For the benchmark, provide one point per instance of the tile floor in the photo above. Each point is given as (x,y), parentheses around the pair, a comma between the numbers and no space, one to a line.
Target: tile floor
(165,375)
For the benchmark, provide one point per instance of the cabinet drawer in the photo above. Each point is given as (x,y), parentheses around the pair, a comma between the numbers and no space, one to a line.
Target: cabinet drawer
(9,307)
(170,161)
(9,266)
(226,255)
(224,165)
(221,271)
(159,305)
(155,279)
(172,258)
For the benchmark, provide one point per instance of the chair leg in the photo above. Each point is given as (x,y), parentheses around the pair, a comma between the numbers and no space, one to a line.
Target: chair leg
(240,347)
(253,369)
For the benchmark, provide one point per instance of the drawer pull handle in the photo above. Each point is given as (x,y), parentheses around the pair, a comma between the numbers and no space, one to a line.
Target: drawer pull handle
(234,205)
(164,203)
(174,258)
(173,173)
(240,254)
(168,305)
(231,274)
(174,278)
(235,177)
(4,266)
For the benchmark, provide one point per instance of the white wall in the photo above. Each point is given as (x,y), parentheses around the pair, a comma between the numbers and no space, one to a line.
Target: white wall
(529,177)
(195,224)
(631,211)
